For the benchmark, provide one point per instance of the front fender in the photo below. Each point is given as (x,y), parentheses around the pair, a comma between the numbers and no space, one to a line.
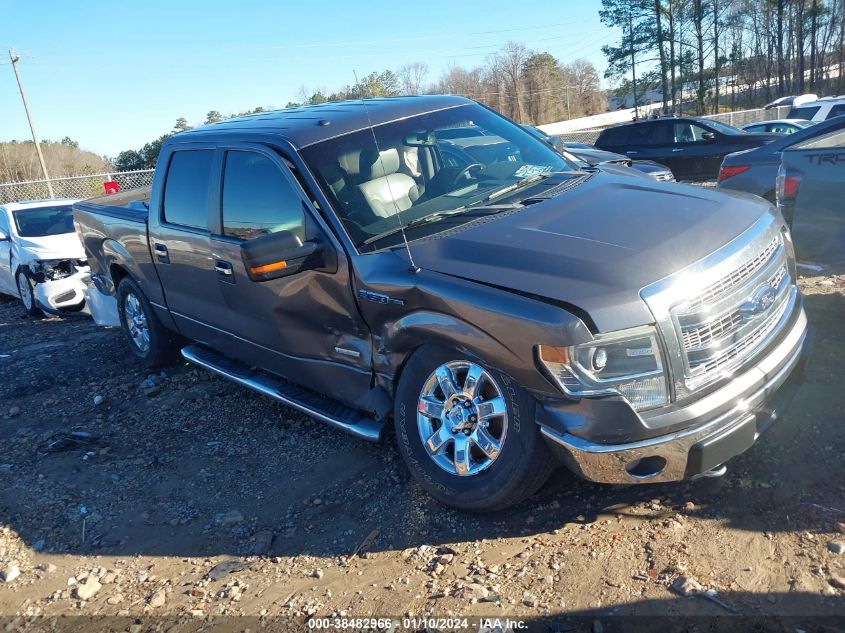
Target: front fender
(488,324)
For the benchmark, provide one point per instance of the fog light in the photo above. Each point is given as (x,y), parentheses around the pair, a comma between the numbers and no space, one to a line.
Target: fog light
(646,467)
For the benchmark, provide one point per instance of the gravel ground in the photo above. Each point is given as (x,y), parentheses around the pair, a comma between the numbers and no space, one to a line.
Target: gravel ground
(183,495)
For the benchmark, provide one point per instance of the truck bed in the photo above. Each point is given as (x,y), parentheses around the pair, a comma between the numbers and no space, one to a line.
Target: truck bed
(132,205)
(113,230)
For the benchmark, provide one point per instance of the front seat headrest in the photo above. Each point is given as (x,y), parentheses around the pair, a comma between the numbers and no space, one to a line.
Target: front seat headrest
(379,164)
(350,162)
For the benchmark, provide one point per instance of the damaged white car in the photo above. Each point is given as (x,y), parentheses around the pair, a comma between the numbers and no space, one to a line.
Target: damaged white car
(41,258)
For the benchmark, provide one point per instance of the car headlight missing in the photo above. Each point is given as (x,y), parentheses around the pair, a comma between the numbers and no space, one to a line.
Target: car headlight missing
(53,268)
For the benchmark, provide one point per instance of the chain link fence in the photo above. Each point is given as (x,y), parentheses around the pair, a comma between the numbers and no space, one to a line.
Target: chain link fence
(741,117)
(75,186)
(588,137)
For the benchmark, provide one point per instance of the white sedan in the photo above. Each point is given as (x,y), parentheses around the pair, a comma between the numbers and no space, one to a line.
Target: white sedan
(41,258)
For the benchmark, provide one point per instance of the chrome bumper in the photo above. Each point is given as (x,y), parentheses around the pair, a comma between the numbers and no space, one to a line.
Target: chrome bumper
(610,463)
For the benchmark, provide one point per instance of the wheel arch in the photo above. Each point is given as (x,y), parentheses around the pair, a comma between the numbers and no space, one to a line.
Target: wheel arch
(402,338)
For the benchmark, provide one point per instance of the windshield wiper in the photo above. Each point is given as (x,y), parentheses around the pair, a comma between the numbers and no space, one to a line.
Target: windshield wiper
(519,184)
(437,215)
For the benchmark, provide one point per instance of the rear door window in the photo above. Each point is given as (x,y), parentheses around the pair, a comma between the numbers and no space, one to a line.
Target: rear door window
(837,110)
(753,129)
(805,112)
(186,188)
(258,198)
(638,135)
(614,136)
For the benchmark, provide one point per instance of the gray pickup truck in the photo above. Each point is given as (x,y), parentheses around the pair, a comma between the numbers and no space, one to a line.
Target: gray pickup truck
(505,315)
(810,193)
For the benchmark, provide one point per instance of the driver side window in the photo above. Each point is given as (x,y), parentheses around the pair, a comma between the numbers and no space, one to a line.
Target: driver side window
(258,199)
(689,133)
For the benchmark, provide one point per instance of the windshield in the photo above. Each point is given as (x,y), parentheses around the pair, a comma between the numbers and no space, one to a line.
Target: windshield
(431,167)
(44,221)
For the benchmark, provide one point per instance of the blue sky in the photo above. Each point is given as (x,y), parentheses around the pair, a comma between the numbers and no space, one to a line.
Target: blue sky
(115,75)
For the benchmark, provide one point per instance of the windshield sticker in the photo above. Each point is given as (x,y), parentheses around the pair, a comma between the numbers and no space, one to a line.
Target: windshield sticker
(532,170)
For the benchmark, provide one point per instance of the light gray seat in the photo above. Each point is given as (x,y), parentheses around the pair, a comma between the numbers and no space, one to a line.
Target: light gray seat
(385,189)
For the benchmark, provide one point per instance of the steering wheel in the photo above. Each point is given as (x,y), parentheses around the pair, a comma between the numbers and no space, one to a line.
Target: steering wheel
(465,172)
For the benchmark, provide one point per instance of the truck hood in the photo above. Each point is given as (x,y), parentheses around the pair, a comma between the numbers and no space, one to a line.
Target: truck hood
(595,246)
(63,246)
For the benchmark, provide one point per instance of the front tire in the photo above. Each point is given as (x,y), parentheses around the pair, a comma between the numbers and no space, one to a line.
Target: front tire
(27,294)
(467,432)
(148,339)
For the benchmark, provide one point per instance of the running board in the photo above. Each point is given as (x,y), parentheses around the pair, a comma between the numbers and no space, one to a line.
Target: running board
(324,409)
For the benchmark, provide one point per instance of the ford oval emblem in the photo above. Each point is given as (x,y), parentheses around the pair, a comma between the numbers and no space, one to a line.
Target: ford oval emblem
(760,301)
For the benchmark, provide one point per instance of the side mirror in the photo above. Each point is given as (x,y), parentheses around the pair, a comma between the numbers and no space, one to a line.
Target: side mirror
(281,254)
(708,136)
(4,237)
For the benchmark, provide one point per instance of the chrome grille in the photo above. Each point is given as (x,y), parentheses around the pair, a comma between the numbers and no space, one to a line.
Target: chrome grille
(714,330)
(729,320)
(735,277)
(731,355)
(717,313)
(718,327)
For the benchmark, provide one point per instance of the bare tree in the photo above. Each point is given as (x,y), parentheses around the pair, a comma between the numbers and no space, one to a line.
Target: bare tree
(506,69)
(412,78)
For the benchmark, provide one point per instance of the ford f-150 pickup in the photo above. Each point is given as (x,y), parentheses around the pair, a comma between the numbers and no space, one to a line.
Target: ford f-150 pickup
(503,315)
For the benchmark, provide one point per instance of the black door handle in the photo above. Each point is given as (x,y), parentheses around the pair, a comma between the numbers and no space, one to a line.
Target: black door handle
(161,253)
(225,270)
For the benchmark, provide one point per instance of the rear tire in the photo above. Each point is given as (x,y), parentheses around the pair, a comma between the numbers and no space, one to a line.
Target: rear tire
(27,293)
(478,450)
(148,339)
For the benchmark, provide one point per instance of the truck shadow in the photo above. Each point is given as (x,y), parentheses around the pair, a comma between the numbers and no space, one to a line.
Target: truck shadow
(731,611)
(196,466)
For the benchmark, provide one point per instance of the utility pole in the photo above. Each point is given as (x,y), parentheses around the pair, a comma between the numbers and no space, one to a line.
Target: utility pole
(567,87)
(633,63)
(15,58)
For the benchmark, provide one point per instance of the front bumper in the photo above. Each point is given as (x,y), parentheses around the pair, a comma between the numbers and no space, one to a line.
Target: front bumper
(59,295)
(758,396)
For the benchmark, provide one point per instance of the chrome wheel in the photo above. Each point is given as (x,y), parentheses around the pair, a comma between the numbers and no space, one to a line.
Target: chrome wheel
(25,291)
(136,322)
(462,418)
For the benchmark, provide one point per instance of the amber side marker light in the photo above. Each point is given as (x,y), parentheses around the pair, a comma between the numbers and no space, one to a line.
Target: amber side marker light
(554,354)
(268,268)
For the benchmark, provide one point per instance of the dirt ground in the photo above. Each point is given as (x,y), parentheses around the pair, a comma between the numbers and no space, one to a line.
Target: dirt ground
(178,472)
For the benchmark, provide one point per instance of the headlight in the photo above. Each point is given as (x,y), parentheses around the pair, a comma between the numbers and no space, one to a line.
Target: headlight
(628,363)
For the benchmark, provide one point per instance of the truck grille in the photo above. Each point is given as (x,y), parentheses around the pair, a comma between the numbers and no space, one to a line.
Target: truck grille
(735,277)
(730,319)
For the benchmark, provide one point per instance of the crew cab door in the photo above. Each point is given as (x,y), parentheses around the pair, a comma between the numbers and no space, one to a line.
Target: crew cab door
(650,140)
(293,314)
(180,242)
